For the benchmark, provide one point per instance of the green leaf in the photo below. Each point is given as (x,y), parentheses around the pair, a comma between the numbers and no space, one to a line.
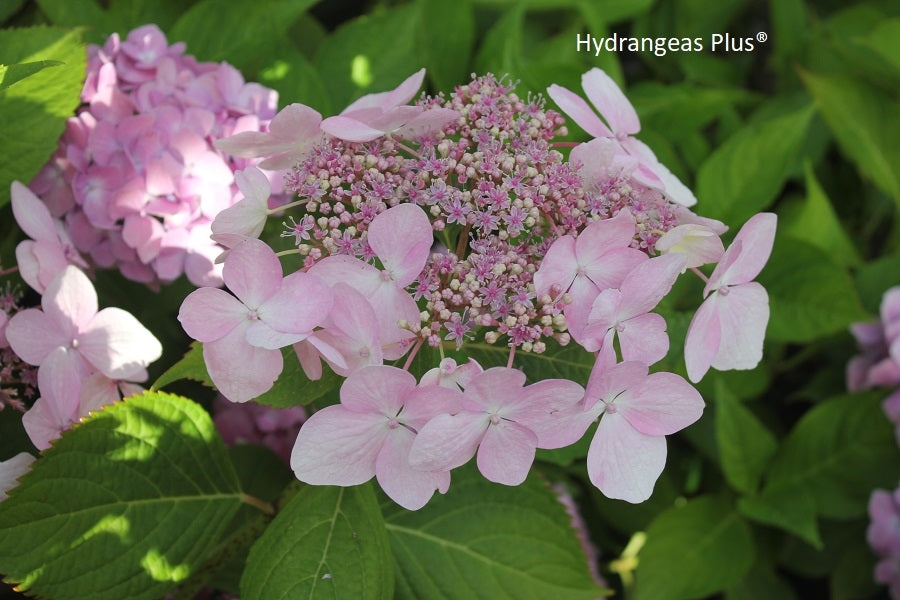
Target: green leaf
(293,387)
(745,445)
(761,582)
(214,30)
(191,366)
(14,73)
(328,542)
(558,362)
(875,278)
(447,36)
(838,452)
(500,50)
(371,53)
(707,540)
(135,496)
(814,221)
(885,40)
(483,540)
(35,109)
(9,8)
(748,171)
(76,13)
(863,119)
(785,507)
(809,295)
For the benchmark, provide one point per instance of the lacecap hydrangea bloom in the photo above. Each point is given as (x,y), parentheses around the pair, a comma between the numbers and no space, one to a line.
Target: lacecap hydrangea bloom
(456,221)
(136,181)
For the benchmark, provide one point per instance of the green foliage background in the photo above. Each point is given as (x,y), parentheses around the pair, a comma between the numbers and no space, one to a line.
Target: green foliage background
(764,497)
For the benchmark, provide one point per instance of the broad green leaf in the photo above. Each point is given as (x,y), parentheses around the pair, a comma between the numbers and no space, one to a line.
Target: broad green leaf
(694,550)
(852,576)
(786,507)
(293,387)
(76,13)
(839,452)
(328,542)
(36,108)
(447,36)
(814,221)
(863,119)
(745,445)
(125,505)
(748,171)
(676,110)
(500,50)
(131,14)
(885,40)
(875,278)
(371,53)
(294,78)
(9,8)
(761,582)
(809,295)
(214,30)
(483,540)
(14,73)
(559,362)
(191,366)
(788,34)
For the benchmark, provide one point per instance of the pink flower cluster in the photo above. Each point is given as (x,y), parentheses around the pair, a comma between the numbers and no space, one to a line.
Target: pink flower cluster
(879,363)
(18,379)
(883,536)
(254,423)
(454,219)
(136,180)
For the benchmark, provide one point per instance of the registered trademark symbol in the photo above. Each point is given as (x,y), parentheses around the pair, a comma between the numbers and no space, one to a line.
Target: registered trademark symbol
(762,36)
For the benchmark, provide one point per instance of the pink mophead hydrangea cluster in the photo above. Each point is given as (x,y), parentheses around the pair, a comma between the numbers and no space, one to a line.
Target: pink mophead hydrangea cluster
(454,225)
(883,536)
(136,181)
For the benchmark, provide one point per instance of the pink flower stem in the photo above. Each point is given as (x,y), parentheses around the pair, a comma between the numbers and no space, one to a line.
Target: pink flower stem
(408,149)
(255,502)
(512,353)
(412,354)
(700,274)
(564,144)
(286,252)
(8,271)
(283,207)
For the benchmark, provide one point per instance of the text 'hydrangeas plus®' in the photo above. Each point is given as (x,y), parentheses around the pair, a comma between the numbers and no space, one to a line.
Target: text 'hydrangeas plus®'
(458,220)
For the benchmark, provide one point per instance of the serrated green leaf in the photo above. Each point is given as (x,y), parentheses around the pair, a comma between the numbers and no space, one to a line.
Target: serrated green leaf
(328,542)
(191,366)
(483,540)
(809,295)
(788,508)
(14,73)
(447,36)
(814,221)
(708,541)
(371,53)
(135,496)
(36,108)
(745,445)
(838,452)
(746,173)
(863,119)
(214,30)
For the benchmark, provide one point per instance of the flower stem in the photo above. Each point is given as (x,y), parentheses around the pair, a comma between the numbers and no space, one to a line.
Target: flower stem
(512,353)
(262,505)
(412,354)
(700,274)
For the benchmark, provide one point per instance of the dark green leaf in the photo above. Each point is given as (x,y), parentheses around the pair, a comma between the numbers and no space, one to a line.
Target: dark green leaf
(786,507)
(135,496)
(191,366)
(708,541)
(483,540)
(500,51)
(745,445)
(293,387)
(447,36)
(76,13)
(328,542)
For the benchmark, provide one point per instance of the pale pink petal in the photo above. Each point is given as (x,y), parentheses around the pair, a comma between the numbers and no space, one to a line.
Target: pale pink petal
(261,335)
(558,267)
(448,441)
(41,425)
(11,470)
(601,237)
(648,283)
(309,359)
(349,129)
(117,344)
(579,111)
(703,338)
(495,389)
(60,378)
(403,255)
(395,305)
(291,133)
(622,462)
(603,92)
(337,446)
(301,304)
(33,335)
(32,214)
(377,389)
(247,218)
(70,299)
(743,315)
(98,391)
(661,404)
(240,371)
(698,243)
(644,339)
(426,402)
(582,293)
(555,412)
(429,121)
(756,238)
(252,272)
(208,314)
(506,452)
(410,488)
(341,268)
(40,262)
(402,94)
(606,382)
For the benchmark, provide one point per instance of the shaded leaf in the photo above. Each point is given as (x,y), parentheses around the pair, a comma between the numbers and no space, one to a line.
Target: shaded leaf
(745,445)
